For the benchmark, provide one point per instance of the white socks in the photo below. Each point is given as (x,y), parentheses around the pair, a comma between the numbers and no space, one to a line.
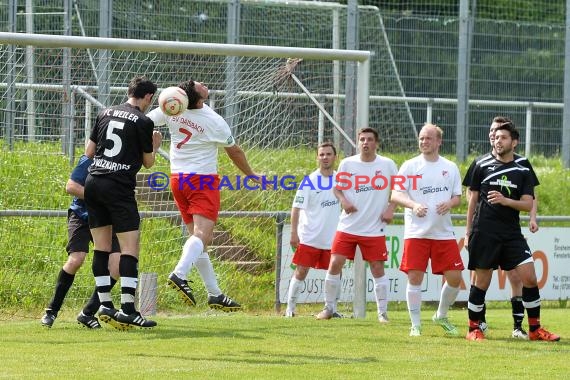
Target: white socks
(294,286)
(332,285)
(381,292)
(446,299)
(190,252)
(206,271)
(414,300)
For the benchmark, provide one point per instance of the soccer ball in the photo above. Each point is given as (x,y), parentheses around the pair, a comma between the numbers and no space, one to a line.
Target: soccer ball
(173,101)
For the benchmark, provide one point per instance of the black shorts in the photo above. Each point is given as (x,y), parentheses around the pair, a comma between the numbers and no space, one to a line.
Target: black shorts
(110,203)
(490,250)
(79,236)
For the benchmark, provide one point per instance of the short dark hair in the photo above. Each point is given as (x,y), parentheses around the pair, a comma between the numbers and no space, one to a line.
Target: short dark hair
(140,86)
(369,130)
(189,87)
(501,120)
(509,126)
(327,144)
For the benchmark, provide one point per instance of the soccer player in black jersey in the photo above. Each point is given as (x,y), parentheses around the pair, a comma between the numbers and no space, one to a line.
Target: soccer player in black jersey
(78,241)
(500,189)
(121,142)
(517,307)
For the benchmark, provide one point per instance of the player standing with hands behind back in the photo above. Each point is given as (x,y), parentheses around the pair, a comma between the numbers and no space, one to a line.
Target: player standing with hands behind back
(121,142)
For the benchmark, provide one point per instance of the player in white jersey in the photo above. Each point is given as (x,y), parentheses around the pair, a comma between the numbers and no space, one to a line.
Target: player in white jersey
(314,218)
(196,135)
(434,188)
(366,210)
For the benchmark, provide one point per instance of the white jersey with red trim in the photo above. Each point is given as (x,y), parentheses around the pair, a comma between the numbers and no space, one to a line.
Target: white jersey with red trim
(370,199)
(195,136)
(319,213)
(436,182)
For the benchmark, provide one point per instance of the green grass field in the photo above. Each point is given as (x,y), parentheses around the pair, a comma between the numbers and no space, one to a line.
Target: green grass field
(247,346)
(255,344)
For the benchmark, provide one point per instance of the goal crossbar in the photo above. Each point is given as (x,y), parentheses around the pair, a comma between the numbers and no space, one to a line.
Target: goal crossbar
(46,40)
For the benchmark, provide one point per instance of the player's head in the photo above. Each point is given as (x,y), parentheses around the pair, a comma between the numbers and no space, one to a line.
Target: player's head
(326,155)
(140,92)
(197,93)
(506,138)
(369,130)
(368,141)
(497,120)
(429,139)
(139,87)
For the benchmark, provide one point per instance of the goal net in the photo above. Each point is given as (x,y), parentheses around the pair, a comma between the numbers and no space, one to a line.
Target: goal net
(52,92)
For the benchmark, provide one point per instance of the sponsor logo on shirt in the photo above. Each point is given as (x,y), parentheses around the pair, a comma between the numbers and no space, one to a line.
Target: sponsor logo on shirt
(433,189)
(112,166)
(329,203)
(504,183)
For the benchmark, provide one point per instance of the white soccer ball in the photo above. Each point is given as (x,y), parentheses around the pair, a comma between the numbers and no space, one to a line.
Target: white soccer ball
(173,101)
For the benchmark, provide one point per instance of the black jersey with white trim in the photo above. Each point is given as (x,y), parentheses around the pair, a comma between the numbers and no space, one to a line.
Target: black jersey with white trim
(122,134)
(521,160)
(477,161)
(512,180)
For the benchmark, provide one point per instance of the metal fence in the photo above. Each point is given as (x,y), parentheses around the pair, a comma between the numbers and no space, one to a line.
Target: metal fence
(512,55)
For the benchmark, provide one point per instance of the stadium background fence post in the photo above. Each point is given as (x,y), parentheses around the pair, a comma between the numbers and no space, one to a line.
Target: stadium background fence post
(148,294)
(362,104)
(359,301)
(566,96)
(280,222)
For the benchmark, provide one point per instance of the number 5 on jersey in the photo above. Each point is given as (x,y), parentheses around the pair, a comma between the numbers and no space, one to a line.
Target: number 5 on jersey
(116,139)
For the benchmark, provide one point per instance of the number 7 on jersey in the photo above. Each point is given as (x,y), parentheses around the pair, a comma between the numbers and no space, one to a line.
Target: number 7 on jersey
(185,140)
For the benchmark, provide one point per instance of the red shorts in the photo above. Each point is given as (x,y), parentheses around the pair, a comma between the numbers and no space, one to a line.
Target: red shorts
(312,257)
(373,248)
(196,194)
(444,255)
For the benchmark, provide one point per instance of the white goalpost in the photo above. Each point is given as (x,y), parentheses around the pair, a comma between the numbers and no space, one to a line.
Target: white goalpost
(276,116)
